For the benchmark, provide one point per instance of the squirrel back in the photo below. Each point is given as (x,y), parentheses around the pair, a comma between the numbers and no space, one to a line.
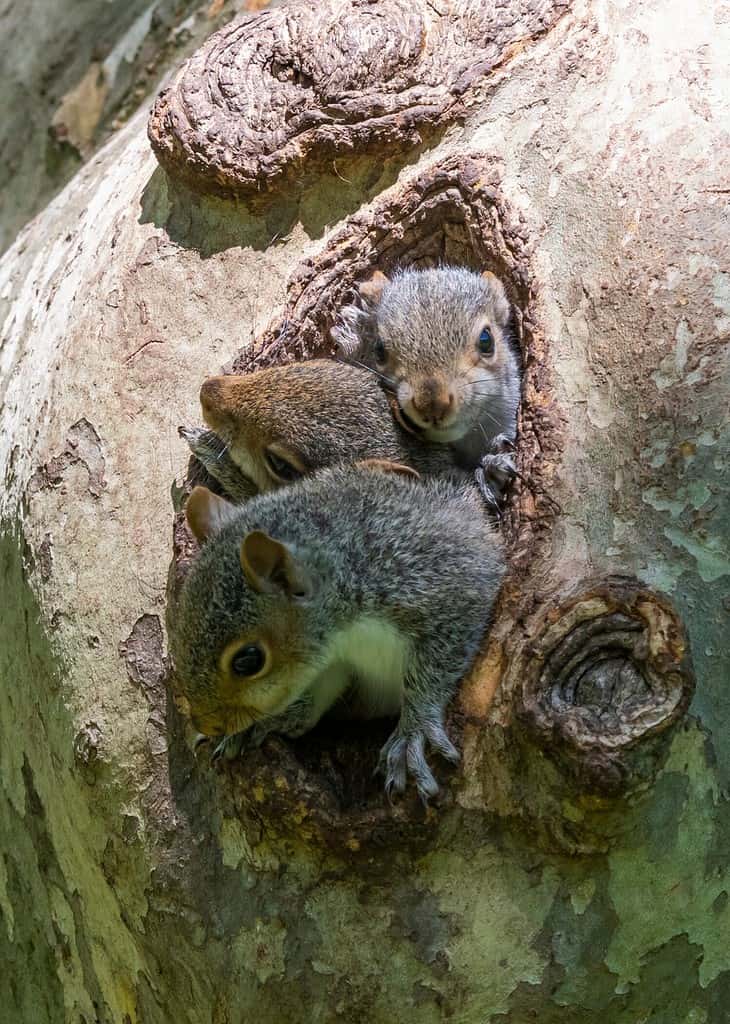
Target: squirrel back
(353,573)
(442,340)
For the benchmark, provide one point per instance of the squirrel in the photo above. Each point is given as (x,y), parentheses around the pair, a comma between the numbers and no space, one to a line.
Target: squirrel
(442,344)
(357,581)
(275,425)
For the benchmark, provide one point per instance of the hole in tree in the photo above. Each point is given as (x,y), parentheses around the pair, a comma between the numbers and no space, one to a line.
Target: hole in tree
(452,213)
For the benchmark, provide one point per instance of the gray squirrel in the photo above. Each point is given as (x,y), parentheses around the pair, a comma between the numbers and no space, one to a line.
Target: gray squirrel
(280,423)
(358,582)
(440,341)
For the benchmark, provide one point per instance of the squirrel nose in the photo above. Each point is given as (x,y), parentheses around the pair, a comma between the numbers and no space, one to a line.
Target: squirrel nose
(434,401)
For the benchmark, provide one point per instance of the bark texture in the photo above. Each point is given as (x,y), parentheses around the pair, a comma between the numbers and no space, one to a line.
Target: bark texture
(140,885)
(72,72)
(289,92)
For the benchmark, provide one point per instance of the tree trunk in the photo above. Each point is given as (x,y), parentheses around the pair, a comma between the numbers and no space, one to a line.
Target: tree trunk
(72,72)
(577,867)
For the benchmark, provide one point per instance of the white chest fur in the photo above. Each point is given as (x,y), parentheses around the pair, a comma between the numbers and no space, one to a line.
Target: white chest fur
(376,654)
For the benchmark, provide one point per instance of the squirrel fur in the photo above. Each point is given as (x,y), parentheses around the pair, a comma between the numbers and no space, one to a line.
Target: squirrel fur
(441,340)
(283,422)
(358,582)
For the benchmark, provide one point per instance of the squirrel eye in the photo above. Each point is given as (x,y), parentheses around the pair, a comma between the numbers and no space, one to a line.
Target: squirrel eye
(248,661)
(486,342)
(280,468)
(379,350)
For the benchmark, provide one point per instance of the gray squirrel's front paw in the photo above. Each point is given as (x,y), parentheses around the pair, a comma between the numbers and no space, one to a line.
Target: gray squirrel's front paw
(404,754)
(496,471)
(205,445)
(193,435)
(212,453)
(226,748)
(229,748)
(293,722)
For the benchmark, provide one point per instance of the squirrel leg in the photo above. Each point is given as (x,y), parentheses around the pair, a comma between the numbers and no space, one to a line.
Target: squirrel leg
(212,453)
(496,470)
(421,723)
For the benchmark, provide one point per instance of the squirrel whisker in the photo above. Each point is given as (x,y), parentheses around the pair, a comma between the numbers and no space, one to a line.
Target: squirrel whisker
(488,415)
(388,381)
(471,383)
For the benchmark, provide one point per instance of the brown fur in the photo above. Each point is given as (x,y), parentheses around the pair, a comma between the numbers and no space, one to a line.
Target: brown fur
(312,414)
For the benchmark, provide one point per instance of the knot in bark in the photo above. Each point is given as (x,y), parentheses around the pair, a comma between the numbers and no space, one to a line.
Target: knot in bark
(605,675)
(310,82)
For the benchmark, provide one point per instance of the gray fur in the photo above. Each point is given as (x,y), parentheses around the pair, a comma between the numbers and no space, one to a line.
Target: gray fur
(425,319)
(420,556)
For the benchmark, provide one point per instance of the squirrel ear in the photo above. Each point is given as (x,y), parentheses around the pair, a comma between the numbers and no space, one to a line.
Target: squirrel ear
(499,298)
(386,466)
(206,513)
(372,289)
(269,565)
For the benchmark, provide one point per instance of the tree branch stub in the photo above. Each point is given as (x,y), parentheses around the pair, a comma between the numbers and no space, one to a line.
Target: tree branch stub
(602,676)
(296,88)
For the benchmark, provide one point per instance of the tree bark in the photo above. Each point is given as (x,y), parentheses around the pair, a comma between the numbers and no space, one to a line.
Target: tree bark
(576,869)
(73,71)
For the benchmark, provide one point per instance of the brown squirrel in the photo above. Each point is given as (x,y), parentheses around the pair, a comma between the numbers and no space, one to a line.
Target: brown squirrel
(354,583)
(441,343)
(275,425)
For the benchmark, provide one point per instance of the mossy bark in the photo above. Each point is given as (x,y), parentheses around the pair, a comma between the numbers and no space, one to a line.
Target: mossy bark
(138,885)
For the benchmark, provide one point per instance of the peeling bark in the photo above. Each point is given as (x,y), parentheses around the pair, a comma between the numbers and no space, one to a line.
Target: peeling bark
(138,884)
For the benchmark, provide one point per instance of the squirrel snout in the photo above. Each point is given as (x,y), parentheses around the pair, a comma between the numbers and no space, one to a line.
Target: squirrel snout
(208,724)
(433,403)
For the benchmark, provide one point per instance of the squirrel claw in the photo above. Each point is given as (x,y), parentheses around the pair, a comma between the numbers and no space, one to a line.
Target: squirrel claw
(190,434)
(439,740)
(229,748)
(501,444)
(404,755)
(496,470)
(491,500)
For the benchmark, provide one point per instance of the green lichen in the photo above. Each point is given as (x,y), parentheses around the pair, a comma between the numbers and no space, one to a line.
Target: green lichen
(658,885)
(711,555)
(501,906)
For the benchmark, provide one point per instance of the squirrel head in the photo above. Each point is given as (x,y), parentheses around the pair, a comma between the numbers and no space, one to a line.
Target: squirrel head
(241,643)
(284,422)
(440,337)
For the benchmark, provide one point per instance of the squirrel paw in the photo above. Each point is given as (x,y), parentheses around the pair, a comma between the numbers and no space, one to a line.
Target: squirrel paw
(404,754)
(496,470)
(212,453)
(231,747)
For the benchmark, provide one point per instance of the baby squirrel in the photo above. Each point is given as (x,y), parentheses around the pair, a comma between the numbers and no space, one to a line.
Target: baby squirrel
(275,425)
(355,577)
(441,343)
